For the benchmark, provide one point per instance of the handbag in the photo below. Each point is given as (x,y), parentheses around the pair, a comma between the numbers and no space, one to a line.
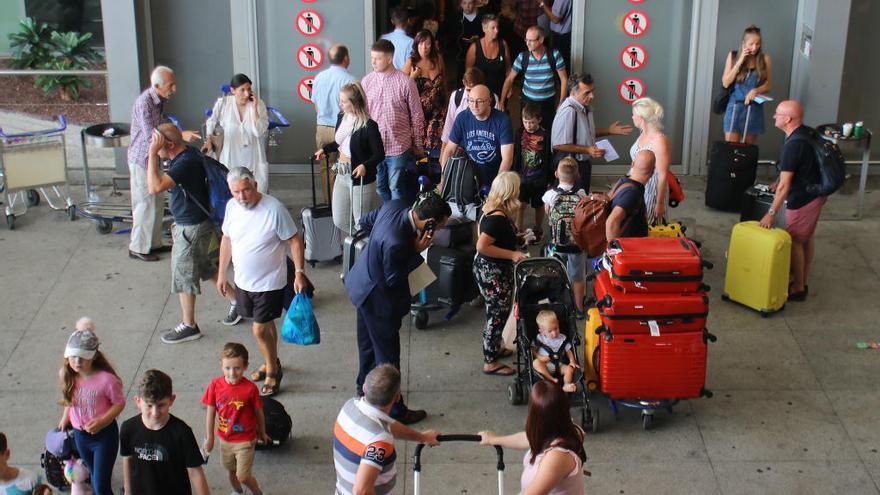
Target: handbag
(300,326)
(218,134)
(676,192)
(719,103)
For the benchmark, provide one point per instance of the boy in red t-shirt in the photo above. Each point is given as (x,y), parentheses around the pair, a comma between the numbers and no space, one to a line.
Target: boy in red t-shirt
(235,401)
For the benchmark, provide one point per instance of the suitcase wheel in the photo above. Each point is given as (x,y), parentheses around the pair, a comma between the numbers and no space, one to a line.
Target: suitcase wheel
(647,421)
(420,319)
(515,393)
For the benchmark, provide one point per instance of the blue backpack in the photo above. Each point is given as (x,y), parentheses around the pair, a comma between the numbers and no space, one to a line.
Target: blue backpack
(218,190)
(831,164)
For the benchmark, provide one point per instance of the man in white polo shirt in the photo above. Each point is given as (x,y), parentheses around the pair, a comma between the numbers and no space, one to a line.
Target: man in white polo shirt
(257,230)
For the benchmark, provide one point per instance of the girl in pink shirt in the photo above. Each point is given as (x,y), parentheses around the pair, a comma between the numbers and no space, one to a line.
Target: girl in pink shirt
(92,398)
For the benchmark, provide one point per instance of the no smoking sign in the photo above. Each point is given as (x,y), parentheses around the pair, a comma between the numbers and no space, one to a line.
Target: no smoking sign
(631,89)
(309,23)
(309,57)
(636,23)
(633,57)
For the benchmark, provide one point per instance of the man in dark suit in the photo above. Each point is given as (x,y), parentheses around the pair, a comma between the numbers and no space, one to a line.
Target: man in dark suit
(378,283)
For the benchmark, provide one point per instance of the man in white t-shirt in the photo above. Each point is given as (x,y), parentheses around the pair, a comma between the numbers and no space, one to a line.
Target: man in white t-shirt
(257,230)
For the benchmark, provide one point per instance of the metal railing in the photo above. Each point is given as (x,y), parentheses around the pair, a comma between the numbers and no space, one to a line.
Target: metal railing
(48,72)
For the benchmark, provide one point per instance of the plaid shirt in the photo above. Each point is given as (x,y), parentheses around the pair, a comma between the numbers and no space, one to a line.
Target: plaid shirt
(146,115)
(393,102)
(527,12)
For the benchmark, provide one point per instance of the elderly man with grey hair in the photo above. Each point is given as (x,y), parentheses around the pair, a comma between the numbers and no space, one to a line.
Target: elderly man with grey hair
(257,231)
(146,209)
(364,434)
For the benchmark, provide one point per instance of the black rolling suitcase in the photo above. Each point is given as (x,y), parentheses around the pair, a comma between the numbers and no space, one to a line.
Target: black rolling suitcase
(278,423)
(321,235)
(455,284)
(356,241)
(757,200)
(733,168)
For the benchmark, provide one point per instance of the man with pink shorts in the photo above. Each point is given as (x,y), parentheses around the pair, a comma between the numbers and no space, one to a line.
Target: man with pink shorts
(798,168)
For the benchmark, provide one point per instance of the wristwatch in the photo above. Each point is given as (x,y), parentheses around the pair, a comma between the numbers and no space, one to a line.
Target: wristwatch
(771,211)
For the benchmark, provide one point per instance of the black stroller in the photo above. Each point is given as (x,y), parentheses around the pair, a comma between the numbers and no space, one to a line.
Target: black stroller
(542,283)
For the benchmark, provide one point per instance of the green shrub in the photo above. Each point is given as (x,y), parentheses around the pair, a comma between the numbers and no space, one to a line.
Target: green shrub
(31,45)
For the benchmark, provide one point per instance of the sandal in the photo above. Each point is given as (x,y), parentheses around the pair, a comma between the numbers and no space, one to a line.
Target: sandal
(268,390)
(502,370)
(260,374)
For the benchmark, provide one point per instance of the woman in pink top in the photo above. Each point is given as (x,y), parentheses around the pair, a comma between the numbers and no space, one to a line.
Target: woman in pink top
(555,456)
(92,398)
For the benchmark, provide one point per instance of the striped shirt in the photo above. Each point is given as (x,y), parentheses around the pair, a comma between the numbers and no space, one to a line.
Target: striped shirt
(146,115)
(393,102)
(361,434)
(539,82)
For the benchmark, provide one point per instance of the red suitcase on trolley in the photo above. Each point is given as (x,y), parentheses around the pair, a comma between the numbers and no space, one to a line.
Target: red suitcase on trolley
(627,313)
(652,264)
(646,367)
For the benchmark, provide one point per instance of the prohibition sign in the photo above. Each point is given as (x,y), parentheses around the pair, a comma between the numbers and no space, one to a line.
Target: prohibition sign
(304,89)
(309,23)
(631,89)
(633,57)
(636,23)
(630,1)
(310,57)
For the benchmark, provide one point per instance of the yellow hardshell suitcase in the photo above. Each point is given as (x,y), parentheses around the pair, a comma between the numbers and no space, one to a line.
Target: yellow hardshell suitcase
(670,229)
(758,263)
(591,342)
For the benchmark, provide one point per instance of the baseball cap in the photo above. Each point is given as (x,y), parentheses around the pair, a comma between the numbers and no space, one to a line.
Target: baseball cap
(82,343)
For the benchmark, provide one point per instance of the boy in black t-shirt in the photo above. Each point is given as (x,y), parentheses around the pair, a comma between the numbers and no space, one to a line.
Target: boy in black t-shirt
(531,158)
(159,451)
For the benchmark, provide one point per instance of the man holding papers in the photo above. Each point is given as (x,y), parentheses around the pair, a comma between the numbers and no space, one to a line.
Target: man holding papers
(574,132)
(378,283)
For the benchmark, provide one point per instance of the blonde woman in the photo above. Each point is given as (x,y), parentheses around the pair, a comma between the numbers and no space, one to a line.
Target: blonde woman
(493,265)
(360,148)
(647,116)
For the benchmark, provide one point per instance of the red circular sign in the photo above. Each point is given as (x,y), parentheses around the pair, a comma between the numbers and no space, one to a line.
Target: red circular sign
(304,89)
(631,89)
(630,1)
(633,57)
(636,23)
(309,22)
(310,57)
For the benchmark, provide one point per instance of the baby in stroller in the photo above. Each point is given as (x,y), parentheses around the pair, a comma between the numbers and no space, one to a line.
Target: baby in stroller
(553,350)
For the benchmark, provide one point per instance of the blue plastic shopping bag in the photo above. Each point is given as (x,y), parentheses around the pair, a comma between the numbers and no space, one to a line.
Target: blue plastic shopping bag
(300,326)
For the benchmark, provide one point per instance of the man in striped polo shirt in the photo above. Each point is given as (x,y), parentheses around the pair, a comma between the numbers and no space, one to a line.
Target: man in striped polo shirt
(540,68)
(363,437)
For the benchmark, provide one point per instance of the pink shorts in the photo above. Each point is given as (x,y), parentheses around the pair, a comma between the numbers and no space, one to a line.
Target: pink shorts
(802,222)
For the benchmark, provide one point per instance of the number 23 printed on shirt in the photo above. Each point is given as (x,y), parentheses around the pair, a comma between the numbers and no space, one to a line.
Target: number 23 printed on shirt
(375,453)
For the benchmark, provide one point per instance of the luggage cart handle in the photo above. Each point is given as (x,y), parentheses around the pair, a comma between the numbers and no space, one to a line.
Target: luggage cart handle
(62,127)
(417,462)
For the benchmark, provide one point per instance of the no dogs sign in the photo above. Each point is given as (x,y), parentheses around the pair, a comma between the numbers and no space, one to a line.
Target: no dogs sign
(309,23)
(310,57)
(636,23)
(631,89)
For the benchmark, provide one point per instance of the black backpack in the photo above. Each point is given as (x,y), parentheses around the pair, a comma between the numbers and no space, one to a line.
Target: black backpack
(278,423)
(829,160)
(461,183)
(53,468)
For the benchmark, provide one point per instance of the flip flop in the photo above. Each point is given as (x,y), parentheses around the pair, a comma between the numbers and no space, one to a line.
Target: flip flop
(269,390)
(502,370)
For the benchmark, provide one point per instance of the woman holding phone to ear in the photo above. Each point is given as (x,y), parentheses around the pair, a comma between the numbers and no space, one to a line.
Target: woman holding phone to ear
(238,128)
(750,71)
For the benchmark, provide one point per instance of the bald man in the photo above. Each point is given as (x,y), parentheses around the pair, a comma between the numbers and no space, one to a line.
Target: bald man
(485,133)
(627,216)
(798,168)
(325,96)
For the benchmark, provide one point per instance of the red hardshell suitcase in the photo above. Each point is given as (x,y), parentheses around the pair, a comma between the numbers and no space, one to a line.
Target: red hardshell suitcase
(651,264)
(649,313)
(668,366)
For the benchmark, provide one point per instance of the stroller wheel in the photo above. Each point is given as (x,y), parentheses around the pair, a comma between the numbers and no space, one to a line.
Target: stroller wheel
(590,420)
(420,319)
(515,393)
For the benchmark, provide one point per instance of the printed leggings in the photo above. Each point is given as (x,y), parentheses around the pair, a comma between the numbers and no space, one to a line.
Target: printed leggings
(98,452)
(495,280)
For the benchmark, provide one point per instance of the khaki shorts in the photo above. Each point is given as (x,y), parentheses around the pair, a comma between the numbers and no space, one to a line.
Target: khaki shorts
(238,457)
(191,259)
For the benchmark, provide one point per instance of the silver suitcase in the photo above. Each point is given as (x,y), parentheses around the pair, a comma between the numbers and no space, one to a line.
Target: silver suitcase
(321,235)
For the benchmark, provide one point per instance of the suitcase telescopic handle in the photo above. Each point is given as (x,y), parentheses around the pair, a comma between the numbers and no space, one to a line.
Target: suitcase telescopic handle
(417,456)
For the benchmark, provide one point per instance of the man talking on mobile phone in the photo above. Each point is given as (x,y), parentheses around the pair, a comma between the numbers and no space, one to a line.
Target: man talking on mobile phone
(378,283)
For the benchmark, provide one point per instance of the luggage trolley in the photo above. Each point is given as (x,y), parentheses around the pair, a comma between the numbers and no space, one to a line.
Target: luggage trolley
(31,162)
(417,459)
